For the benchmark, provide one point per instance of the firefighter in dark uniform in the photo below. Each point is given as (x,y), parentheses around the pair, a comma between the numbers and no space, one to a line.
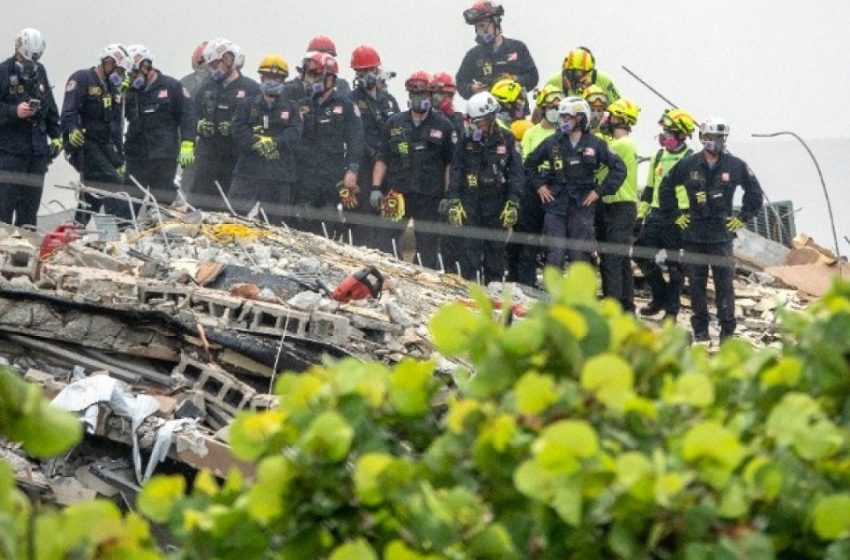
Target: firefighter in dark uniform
(654,228)
(160,127)
(494,56)
(375,106)
(416,152)
(710,178)
(200,71)
(266,130)
(331,148)
(92,126)
(486,184)
(29,129)
(215,103)
(568,188)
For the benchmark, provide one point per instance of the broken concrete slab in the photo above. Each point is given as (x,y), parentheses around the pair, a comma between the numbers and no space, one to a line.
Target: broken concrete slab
(812,279)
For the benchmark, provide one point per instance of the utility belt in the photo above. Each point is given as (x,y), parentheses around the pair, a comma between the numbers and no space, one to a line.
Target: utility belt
(707,204)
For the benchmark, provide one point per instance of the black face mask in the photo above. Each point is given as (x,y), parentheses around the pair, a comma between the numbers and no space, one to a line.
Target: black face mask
(366,81)
(28,70)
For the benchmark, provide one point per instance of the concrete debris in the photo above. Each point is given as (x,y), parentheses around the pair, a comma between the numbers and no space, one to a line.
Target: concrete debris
(186,323)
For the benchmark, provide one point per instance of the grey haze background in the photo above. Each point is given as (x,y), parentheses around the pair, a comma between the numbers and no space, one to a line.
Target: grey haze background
(765,65)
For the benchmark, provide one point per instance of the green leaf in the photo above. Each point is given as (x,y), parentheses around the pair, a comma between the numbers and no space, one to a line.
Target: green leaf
(832,517)
(355,550)
(534,481)
(398,550)
(691,389)
(798,420)
(300,392)
(710,440)
(579,286)
(411,383)
(534,393)
(252,434)
(494,542)
(329,436)
(524,337)
(267,498)
(560,445)
(632,468)
(610,378)
(734,503)
(159,495)
(787,371)
(570,319)
(367,477)
(452,327)
(568,500)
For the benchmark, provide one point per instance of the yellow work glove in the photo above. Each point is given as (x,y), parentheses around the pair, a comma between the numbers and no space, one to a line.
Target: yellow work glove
(734,223)
(225,128)
(265,147)
(122,170)
(392,206)
(77,138)
(186,157)
(206,128)
(643,209)
(702,197)
(347,197)
(683,221)
(510,214)
(55,147)
(456,213)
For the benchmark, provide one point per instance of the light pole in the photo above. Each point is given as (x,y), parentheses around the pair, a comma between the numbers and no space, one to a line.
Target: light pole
(822,183)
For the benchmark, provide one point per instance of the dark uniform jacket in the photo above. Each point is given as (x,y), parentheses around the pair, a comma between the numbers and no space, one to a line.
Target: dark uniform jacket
(710,194)
(216,102)
(374,112)
(487,170)
(94,106)
(417,156)
(483,64)
(27,137)
(282,122)
(332,142)
(571,171)
(159,116)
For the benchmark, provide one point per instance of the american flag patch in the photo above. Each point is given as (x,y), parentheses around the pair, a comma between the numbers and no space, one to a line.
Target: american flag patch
(501,150)
(724,176)
(337,110)
(590,152)
(436,133)
(512,57)
(163,94)
(284,115)
(240,94)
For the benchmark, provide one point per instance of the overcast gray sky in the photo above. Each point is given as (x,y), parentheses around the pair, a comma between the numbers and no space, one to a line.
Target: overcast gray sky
(765,65)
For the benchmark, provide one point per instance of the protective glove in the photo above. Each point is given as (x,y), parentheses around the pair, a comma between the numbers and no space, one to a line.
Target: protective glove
(121,170)
(125,83)
(187,153)
(376,199)
(510,214)
(393,206)
(443,207)
(456,212)
(55,147)
(643,209)
(734,223)
(683,221)
(265,147)
(347,197)
(225,128)
(77,138)
(702,197)
(206,128)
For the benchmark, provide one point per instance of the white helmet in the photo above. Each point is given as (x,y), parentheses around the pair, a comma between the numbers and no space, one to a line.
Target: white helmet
(30,44)
(119,54)
(238,58)
(714,125)
(216,49)
(575,106)
(481,104)
(138,54)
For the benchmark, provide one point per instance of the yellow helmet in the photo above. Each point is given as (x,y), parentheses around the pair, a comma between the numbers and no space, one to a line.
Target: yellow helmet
(274,64)
(548,94)
(519,126)
(626,109)
(579,59)
(596,97)
(678,120)
(506,91)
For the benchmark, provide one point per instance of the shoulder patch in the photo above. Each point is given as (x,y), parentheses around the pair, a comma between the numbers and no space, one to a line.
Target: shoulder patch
(71,85)
(186,93)
(284,115)
(337,109)
(589,151)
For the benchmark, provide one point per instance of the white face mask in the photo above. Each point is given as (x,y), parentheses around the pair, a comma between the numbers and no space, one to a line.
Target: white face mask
(551,115)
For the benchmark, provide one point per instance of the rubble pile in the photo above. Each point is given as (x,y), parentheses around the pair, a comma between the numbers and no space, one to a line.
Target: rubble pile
(157,337)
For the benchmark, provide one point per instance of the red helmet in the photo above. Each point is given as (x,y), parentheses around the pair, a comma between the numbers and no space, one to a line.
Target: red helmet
(198,55)
(442,82)
(322,61)
(365,57)
(481,10)
(323,44)
(418,81)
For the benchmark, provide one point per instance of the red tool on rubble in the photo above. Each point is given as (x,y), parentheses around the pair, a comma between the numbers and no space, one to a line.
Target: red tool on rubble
(59,237)
(358,286)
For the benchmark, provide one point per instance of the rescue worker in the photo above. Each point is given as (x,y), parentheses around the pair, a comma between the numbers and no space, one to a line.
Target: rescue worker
(615,216)
(92,123)
(375,106)
(200,71)
(568,189)
(329,155)
(160,126)
(486,182)
(494,56)
(579,71)
(655,229)
(29,129)
(416,151)
(266,131)
(513,106)
(215,104)
(598,102)
(710,178)
(297,88)
(523,257)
